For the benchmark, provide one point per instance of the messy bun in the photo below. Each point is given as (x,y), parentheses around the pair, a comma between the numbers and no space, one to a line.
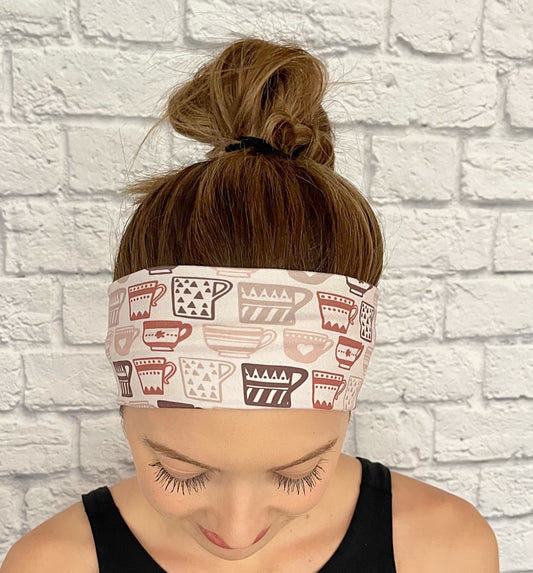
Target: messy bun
(242,208)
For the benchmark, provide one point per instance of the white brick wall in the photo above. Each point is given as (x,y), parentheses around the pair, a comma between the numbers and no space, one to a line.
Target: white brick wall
(435,126)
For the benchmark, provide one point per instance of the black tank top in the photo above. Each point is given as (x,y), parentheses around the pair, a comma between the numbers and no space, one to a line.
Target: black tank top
(366,546)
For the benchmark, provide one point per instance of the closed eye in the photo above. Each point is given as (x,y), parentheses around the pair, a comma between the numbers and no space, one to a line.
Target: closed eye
(199,482)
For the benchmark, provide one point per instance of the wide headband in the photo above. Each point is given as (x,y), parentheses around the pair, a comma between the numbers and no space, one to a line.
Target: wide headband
(190,336)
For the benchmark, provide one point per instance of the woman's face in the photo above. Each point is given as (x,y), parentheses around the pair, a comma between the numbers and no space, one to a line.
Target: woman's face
(247,489)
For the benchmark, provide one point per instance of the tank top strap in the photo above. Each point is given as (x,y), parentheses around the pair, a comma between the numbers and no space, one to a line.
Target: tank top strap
(367,545)
(117,549)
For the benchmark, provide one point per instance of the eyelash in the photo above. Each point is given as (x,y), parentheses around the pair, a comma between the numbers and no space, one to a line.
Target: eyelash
(200,481)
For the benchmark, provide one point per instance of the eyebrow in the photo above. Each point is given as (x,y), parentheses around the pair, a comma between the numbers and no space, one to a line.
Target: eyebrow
(166,451)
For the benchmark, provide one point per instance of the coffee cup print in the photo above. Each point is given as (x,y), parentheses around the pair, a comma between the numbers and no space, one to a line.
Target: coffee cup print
(310,278)
(268,385)
(164,335)
(352,392)
(327,387)
(237,341)
(124,337)
(194,297)
(337,311)
(305,346)
(365,318)
(241,273)
(164,270)
(123,375)
(202,377)
(116,298)
(262,303)
(366,359)
(108,342)
(143,296)
(154,373)
(357,287)
(348,351)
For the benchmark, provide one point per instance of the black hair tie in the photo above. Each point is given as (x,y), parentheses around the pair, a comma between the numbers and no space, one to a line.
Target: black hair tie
(257,143)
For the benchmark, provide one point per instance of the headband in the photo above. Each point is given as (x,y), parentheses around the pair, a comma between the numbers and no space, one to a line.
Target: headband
(189,336)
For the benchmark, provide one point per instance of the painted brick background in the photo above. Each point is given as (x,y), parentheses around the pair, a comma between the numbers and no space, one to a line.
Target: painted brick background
(434,125)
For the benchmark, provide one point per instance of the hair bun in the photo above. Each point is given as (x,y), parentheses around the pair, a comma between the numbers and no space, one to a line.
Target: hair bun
(261,89)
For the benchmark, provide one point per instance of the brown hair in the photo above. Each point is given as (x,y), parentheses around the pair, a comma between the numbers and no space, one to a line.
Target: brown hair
(243,208)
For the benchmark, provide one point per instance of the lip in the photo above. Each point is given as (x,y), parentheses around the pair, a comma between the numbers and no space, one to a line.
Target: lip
(214,538)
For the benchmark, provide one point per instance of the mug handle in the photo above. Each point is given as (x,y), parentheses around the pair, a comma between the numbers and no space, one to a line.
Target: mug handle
(157,297)
(226,286)
(187,329)
(268,337)
(307,296)
(340,390)
(303,377)
(231,369)
(170,374)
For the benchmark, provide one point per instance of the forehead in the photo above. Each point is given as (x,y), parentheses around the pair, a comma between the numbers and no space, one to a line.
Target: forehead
(259,427)
(237,440)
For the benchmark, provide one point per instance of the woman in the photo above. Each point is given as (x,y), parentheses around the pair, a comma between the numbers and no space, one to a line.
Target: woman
(228,480)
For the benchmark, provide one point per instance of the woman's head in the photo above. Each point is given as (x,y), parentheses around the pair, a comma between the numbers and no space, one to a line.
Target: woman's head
(244,209)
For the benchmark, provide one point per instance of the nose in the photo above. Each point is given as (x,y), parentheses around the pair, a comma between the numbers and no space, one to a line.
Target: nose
(240,514)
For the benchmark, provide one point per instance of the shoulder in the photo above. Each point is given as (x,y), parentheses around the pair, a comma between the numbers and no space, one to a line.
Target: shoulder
(437,532)
(62,543)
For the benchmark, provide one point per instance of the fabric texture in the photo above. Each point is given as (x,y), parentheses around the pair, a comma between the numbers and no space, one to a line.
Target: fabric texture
(366,547)
(191,336)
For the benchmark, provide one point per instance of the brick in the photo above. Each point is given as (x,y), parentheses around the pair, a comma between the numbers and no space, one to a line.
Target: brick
(26,309)
(429,373)
(507,28)
(135,20)
(409,435)
(413,167)
(434,94)
(409,309)
(489,307)
(515,540)
(70,381)
(10,517)
(520,97)
(21,18)
(497,170)
(85,311)
(100,159)
(341,24)
(49,236)
(12,382)
(30,159)
(506,490)
(452,239)
(103,446)
(513,245)
(44,500)
(508,371)
(469,433)
(436,27)
(37,445)
(58,81)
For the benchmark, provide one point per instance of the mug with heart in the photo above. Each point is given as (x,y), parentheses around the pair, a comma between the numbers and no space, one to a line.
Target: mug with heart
(124,337)
(305,346)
